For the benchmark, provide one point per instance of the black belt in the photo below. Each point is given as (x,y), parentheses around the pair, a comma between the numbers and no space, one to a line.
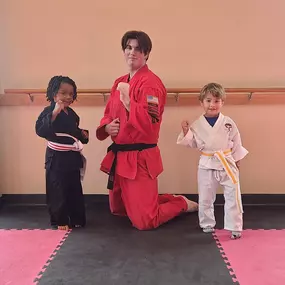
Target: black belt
(115,148)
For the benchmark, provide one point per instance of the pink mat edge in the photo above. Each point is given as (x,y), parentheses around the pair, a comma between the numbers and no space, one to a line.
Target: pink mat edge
(224,256)
(52,256)
(225,259)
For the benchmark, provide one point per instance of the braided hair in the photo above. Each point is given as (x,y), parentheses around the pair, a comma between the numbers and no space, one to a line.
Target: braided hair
(54,85)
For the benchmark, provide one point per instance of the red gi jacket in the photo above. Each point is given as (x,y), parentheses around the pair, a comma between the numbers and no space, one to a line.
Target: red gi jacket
(140,125)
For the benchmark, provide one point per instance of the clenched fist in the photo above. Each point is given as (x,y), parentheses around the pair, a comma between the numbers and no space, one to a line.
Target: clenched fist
(185,127)
(124,89)
(59,106)
(113,128)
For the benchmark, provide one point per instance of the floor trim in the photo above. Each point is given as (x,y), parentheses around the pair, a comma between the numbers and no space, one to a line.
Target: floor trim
(40,199)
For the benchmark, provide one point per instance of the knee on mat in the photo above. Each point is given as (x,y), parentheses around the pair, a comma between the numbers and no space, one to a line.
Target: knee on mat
(144,223)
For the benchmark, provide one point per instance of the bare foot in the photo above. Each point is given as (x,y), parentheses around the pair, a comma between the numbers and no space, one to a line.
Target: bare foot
(63,228)
(191,205)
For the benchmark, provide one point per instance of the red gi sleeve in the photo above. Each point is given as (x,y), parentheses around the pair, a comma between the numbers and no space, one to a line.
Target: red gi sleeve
(101,134)
(107,119)
(145,112)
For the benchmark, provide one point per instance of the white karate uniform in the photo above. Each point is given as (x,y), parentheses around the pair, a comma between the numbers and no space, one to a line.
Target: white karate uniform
(220,148)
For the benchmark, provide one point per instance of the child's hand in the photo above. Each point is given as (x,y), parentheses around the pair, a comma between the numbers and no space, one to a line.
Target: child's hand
(185,127)
(58,107)
(85,134)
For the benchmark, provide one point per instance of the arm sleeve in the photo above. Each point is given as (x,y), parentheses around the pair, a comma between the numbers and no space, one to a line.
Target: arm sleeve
(146,112)
(44,126)
(79,134)
(238,151)
(107,119)
(188,140)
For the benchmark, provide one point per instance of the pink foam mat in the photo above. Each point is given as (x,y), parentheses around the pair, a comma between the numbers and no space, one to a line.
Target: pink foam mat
(258,258)
(24,254)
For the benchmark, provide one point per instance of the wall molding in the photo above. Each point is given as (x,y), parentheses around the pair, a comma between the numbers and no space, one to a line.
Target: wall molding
(175,97)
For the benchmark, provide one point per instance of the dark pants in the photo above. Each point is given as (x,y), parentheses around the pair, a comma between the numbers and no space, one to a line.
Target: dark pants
(65,198)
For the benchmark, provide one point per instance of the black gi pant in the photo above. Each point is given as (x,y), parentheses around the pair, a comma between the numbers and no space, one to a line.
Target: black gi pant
(65,198)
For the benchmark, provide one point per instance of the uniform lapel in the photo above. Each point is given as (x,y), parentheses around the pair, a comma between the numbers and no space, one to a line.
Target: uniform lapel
(206,132)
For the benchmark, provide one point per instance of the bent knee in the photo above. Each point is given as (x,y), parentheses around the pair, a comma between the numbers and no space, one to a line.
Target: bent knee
(145,222)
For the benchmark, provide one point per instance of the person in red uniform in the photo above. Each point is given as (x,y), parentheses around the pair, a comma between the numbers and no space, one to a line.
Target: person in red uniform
(133,162)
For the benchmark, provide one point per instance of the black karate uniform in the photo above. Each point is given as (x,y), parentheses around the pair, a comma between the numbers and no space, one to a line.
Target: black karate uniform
(63,184)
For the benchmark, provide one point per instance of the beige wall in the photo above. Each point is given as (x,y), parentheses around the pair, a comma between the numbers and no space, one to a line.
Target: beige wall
(238,43)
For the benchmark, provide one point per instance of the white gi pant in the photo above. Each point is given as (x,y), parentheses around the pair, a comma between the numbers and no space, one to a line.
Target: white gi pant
(208,183)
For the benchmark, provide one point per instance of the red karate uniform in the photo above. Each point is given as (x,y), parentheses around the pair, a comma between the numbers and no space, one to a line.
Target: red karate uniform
(138,162)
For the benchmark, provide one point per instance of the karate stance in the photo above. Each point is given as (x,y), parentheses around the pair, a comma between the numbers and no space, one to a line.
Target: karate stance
(218,139)
(64,162)
(132,118)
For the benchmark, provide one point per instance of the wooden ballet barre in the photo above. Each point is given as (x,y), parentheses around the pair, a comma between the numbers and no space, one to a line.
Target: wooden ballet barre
(169,90)
(43,91)
(175,96)
(228,90)
(85,97)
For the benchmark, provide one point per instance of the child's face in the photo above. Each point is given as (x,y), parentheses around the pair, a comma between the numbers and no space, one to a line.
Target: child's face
(65,94)
(212,105)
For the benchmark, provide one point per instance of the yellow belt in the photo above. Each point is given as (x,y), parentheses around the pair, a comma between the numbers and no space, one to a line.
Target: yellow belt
(227,151)
(226,165)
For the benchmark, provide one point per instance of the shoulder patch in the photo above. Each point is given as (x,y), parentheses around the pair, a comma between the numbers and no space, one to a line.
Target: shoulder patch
(153,108)
(152,99)
(228,126)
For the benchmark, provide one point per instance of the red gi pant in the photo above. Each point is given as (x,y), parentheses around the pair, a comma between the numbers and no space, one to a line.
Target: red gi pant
(139,200)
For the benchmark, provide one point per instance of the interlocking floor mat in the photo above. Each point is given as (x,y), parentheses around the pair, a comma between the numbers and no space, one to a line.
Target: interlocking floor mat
(255,259)
(25,254)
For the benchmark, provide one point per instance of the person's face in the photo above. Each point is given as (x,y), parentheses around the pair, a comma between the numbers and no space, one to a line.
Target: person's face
(135,59)
(65,94)
(212,105)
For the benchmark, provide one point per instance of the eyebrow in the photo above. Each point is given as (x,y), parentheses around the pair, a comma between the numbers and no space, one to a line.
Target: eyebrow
(135,46)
